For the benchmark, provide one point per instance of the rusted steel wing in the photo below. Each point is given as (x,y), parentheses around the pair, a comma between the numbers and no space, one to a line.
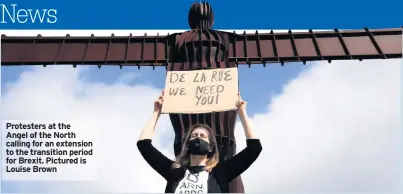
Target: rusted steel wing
(113,50)
(312,46)
(255,48)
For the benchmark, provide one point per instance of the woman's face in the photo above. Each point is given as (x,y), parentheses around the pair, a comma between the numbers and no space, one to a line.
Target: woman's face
(200,132)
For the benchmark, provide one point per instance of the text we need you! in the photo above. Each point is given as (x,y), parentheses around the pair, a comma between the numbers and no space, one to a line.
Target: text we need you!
(12,14)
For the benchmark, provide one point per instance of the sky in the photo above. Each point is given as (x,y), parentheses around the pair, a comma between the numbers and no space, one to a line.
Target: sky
(325,128)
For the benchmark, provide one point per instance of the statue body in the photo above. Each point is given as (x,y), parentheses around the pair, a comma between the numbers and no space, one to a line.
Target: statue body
(204,48)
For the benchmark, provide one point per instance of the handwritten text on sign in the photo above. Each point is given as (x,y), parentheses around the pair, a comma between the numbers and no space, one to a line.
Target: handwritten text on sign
(201,91)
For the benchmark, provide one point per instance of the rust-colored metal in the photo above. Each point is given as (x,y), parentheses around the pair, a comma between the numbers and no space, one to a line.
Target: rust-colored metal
(203,48)
(258,48)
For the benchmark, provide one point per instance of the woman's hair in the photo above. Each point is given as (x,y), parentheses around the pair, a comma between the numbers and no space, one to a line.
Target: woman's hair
(183,159)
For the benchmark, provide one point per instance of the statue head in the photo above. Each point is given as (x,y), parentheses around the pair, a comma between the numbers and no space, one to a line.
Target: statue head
(201,16)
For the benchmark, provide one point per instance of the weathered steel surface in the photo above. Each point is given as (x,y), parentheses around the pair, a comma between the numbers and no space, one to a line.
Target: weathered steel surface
(255,48)
(311,46)
(84,50)
(203,48)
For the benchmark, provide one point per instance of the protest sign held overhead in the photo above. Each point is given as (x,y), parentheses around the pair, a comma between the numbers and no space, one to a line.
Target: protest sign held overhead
(201,91)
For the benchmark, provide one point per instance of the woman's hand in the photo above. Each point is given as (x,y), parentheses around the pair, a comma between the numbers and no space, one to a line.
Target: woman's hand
(148,130)
(241,105)
(241,109)
(158,103)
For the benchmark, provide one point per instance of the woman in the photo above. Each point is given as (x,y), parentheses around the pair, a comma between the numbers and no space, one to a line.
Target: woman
(196,169)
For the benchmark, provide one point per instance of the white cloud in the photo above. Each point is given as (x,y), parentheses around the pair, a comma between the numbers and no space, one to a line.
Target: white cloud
(117,111)
(335,128)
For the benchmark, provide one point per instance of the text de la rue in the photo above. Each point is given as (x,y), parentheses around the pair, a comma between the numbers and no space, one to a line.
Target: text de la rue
(208,85)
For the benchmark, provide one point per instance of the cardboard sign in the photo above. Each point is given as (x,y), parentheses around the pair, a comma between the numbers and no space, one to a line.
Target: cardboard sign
(201,91)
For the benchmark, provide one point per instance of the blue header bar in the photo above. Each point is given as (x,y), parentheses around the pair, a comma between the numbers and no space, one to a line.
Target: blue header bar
(235,14)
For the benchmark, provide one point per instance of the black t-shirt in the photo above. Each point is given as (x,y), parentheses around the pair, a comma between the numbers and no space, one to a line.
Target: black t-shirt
(194,179)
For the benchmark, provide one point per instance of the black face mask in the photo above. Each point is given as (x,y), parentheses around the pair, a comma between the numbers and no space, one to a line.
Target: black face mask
(198,146)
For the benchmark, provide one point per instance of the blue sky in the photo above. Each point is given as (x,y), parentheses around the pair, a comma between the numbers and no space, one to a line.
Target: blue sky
(274,76)
(325,121)
(332,128)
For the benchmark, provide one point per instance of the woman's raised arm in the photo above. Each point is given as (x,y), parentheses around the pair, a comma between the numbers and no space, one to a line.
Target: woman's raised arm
(149,128)
(154,158)
(236,165)
(243,115)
